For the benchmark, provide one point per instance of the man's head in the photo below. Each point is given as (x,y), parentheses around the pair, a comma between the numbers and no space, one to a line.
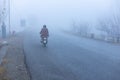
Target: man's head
(44,26)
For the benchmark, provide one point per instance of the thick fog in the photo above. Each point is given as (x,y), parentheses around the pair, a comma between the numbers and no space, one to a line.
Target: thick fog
(60,13)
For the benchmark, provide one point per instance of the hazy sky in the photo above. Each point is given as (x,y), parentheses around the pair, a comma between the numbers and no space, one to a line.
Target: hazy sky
(60,12)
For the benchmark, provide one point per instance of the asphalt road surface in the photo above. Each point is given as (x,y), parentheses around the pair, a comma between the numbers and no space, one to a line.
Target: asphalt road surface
(69,57)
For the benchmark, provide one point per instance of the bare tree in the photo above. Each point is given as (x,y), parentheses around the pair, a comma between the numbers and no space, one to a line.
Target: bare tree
(81,28)
(111,27)
(74,26)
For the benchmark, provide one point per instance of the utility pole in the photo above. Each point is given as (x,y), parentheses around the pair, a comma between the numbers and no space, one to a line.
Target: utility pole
(3,14)
(9,17)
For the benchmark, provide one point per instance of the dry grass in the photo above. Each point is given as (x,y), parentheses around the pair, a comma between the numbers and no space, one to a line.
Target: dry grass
(2,70)
(2,73)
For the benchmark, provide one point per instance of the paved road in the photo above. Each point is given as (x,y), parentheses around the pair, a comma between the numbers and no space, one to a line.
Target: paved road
(69,57)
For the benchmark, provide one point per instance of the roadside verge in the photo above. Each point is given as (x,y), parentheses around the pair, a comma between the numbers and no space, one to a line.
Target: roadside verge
(13,65)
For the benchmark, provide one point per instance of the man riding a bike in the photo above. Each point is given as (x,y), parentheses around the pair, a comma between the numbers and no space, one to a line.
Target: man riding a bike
(44,33)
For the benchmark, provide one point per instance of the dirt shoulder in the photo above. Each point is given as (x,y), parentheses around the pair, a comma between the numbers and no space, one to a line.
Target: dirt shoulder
(13,66)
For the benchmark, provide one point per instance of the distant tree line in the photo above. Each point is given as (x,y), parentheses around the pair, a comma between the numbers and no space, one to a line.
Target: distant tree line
(110,27)
(82,28)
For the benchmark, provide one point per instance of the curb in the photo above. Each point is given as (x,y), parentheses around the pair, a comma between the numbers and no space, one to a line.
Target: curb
(2,54)
(1,45)
(3,50)
(25,62)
